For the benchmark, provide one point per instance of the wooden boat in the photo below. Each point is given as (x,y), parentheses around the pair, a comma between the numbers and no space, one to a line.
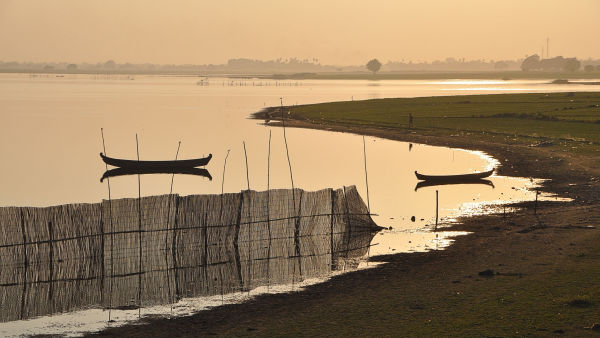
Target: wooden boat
(134,171)
(455,178)
(423,184)
(164,165)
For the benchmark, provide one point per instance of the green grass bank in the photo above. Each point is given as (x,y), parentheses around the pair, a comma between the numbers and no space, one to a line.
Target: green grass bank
(562,121)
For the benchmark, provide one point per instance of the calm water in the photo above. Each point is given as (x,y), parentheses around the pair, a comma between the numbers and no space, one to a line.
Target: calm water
(50,140)
(50,136)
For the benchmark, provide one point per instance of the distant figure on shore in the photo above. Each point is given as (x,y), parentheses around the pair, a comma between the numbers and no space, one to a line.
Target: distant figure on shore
(410,121)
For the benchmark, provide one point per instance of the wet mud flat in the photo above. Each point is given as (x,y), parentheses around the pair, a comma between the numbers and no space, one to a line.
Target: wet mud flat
(533,271)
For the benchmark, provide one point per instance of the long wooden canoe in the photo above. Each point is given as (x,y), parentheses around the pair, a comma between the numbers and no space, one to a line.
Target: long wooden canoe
(456,178)
(164,165)
(133,171)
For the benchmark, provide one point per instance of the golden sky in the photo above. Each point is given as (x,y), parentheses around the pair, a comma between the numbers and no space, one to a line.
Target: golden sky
(334,31)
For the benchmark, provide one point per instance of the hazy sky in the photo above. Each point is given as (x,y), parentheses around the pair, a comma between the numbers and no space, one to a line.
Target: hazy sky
(336,32)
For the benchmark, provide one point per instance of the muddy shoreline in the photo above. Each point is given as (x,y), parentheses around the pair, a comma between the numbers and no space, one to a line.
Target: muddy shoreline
(444,293)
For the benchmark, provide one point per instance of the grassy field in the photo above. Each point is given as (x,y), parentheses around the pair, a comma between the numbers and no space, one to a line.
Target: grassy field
(565,121)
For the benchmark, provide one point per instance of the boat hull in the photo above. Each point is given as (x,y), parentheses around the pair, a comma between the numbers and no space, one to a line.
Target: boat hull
(455,178)
(157,165)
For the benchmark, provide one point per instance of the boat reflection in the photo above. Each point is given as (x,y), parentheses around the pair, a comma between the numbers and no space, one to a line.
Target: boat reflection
(134,171)
(423,184)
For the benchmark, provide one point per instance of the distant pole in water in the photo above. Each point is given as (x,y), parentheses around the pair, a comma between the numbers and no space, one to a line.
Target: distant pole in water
(111,232)
(436,209)
(536,201)
(224,164)
(137,145)
(366,175)
(246,156)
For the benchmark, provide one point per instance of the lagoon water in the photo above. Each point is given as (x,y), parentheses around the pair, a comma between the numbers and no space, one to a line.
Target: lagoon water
(50,140)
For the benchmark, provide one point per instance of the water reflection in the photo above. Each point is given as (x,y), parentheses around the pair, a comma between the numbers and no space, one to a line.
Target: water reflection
(423,184)
(137,171)
(130,253)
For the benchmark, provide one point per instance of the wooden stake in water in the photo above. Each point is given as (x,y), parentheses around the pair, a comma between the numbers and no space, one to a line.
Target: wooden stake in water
(436,209)
(167,234)
(247,174)
(366,176)
(111,232)
(269,163)
(268,191)
(536,201)
(137,145)
(287,152)
(224,164)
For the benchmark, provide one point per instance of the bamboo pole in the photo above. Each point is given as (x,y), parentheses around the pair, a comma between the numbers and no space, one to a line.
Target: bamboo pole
(247,174)
(287,152)
(366,175)
(223,179)
(139,230)
(167,234)
(111,233)
(269,188)
(536,201)
(436,209)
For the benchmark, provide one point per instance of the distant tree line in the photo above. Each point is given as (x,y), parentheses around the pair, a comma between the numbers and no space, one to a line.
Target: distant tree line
(556,64)
(296,65)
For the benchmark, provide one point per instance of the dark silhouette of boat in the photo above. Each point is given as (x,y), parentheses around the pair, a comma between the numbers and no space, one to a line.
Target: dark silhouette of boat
(136,171)
(423,184)
(453,178)
(164,165)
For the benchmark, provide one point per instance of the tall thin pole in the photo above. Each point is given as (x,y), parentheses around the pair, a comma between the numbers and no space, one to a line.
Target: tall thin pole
(137,145)
(436,209)
(269,191)
(246,156)
(297,223)
(366,176)
(111,232)
(167,233)
(269,164)
(223,179)
(287,152)
(173,176)
(269,210)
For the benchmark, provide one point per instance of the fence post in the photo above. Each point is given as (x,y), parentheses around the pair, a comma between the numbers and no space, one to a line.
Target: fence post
(347,249)
(25,264)
(174,248)
(50,243)
(236,239)
(331,227)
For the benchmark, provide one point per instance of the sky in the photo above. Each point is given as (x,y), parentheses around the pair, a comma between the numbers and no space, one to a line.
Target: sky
(341,32)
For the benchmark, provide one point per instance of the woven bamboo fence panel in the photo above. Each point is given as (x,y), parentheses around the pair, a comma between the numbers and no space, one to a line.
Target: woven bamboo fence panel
(133,252)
